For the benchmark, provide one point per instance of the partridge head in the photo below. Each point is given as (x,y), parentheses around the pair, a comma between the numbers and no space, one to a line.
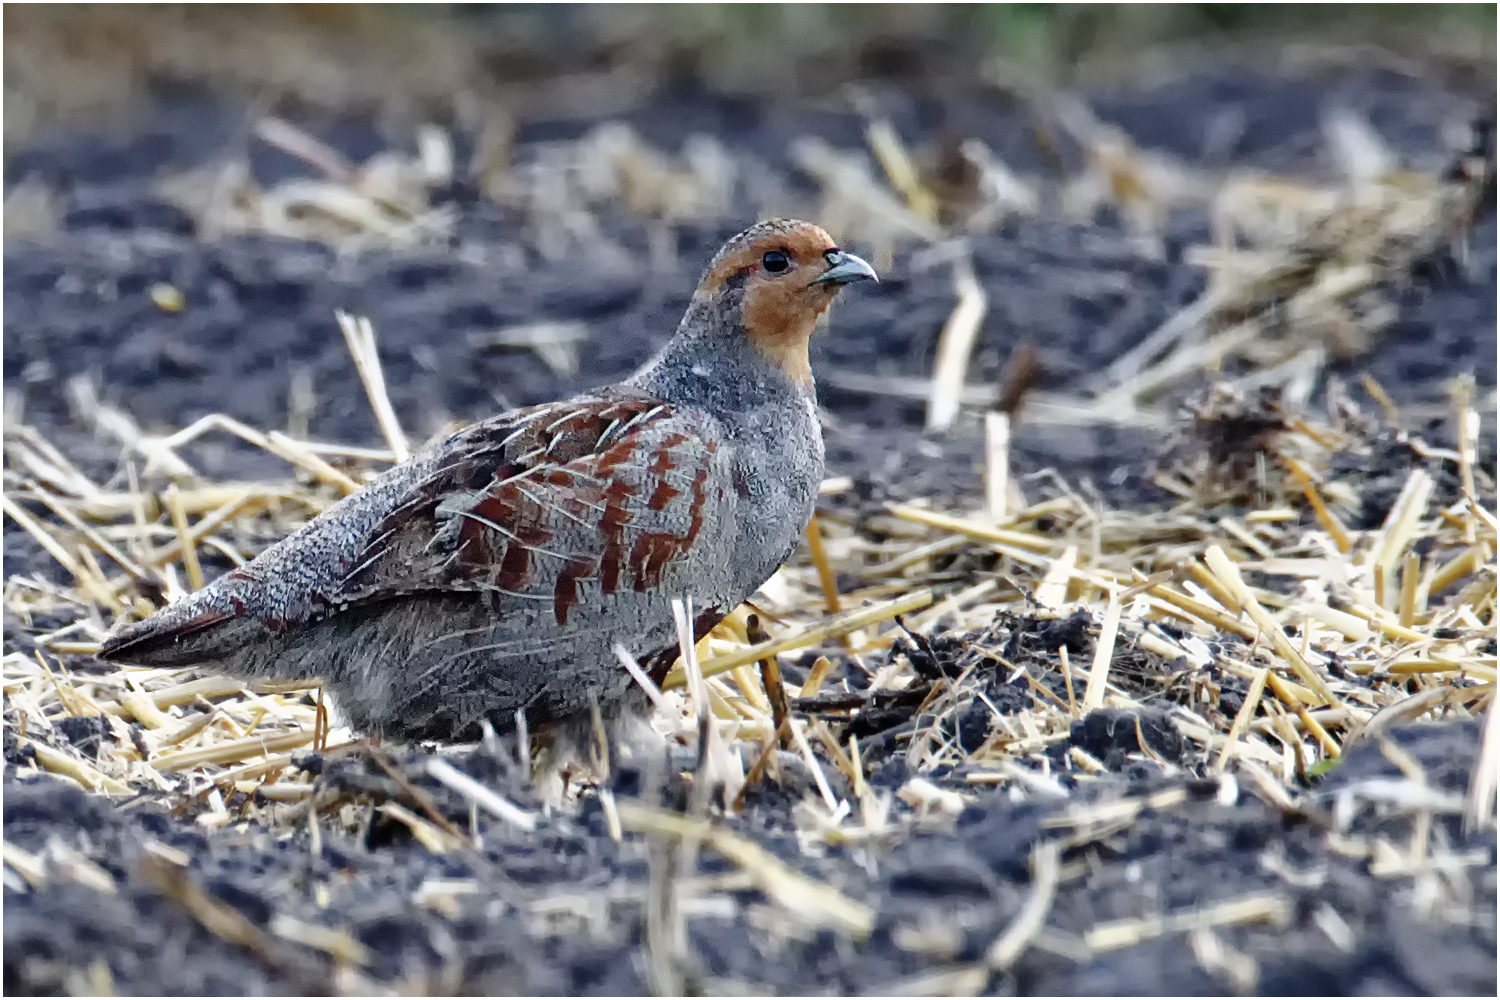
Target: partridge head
(495,572)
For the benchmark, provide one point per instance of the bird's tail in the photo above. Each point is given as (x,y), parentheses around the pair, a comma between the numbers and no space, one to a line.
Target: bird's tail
(200,629)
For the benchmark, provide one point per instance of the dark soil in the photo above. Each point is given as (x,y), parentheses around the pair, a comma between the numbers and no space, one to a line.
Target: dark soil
(79,304)
(259,309)
(960,883)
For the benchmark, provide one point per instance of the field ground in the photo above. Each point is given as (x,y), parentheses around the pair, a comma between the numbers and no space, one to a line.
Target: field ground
(1277,776)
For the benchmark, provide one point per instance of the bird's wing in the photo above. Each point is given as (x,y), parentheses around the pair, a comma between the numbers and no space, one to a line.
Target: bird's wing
(591,500)
(595,496)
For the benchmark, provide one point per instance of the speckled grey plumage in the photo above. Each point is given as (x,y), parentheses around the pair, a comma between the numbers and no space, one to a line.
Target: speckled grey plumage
(496,570)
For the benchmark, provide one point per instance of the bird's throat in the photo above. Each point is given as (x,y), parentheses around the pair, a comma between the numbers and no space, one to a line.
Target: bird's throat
(779,327)
(790,356)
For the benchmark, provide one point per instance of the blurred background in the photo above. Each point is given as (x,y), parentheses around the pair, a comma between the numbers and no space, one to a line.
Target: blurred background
(99,62)
(521,197)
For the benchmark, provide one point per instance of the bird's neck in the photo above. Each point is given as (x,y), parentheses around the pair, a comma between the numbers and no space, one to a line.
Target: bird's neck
(710,359)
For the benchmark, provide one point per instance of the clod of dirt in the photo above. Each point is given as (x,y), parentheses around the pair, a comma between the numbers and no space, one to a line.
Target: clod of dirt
(1109,734)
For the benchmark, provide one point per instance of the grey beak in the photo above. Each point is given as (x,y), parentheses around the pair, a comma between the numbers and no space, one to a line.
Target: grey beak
(846,268)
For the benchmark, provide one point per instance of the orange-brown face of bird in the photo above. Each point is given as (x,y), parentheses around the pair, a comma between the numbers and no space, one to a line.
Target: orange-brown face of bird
(787,274)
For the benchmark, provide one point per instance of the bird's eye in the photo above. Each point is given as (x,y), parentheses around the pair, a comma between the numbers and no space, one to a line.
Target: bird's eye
(775,261)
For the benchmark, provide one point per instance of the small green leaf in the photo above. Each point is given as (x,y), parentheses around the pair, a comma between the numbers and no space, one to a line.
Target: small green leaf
(1323,766)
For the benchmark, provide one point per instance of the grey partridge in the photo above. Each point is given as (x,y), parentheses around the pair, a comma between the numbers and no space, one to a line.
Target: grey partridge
(496,571)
